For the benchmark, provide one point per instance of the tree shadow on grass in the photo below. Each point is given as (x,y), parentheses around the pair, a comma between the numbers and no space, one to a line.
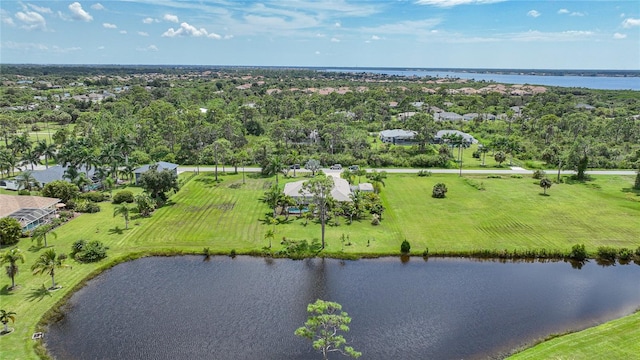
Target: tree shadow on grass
(38,293)
(631,190)
(116,230)
(6,290)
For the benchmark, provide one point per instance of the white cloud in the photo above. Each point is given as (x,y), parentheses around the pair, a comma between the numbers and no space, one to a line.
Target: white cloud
(58,49)
(618,36)
(148,48)
(337,24)
(186,29)
(630,22)
(317,52)
(6,18)
(533,13)
(24,46)
(452,3)
(335,39)
(123,31)
(321,35)
(40,9)
(149,20)
(408,27)
(170,17)
(79,13)
(228,37)
(109,26)
(101,47)
(31,20)
(97,6)
(375,37)
(533,35)
(142,33)
(576,13)
(563,11)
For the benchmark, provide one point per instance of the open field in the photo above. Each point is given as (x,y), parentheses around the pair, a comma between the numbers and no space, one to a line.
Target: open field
(510,213)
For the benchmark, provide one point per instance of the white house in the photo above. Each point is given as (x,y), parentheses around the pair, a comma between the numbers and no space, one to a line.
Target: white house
(341,191)
(397,136)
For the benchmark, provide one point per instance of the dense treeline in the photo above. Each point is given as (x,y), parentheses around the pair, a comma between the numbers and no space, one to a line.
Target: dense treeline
(248,116)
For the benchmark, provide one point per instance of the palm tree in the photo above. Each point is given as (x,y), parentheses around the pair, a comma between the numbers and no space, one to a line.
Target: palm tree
(295,158)
(275,166)
(40,233)
(5,317)
(320,189)
(26,180)
(123,210)
(272,197)
(377,179)
(545,184)
(269,235)
(125,146)
(47,263)
(12,257)
(46,150)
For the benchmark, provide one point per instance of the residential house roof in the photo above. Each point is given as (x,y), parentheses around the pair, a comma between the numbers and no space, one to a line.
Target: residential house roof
(10,204)
(468,138)
(162,165)
(447,115)
(397,133)
(341,190)
(56,172)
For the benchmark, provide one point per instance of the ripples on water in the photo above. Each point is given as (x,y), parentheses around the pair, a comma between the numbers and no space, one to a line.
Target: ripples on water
(248,308)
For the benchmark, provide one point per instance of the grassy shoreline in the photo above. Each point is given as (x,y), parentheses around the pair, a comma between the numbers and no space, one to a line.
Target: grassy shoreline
(226,216)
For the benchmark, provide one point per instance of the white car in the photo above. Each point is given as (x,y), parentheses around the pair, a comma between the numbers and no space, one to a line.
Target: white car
(336,167)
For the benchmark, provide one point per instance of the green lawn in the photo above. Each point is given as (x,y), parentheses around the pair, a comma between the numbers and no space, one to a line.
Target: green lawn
(618,339)
(510,213)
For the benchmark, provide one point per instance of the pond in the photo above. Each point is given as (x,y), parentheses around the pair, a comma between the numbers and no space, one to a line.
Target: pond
(248,308)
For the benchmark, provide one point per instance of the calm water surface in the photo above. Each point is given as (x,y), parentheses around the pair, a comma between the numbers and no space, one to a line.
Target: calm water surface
(591,82)
(248,308)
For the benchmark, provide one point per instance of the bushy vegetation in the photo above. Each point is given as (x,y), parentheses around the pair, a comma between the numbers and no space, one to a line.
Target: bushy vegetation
(124,196)
(10,231)
(439,191)
(87,252)
(578,252)
(405,247)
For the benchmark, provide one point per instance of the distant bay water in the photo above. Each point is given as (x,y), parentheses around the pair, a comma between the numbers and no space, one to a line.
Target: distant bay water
(590,82)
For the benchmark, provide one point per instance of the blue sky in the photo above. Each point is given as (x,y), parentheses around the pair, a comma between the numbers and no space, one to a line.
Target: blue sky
(363,33)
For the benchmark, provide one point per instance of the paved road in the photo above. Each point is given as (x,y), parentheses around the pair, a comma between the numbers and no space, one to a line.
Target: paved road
(513,170)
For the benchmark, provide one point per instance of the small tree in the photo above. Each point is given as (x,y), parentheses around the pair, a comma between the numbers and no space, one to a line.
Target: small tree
(5,317)
(12,257)
(578,252)
(545,184)
(320,189)
(40,234)
(439,191)
(313,165)
(47,263)
(500,157)
(10,231)
(325,320)
(145,204)
(123,210)
(405,247)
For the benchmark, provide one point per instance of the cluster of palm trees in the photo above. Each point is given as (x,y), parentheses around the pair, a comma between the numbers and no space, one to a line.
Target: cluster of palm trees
(79,155)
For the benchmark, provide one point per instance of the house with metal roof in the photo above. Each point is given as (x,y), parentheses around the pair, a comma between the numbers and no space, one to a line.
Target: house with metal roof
(53,173)
(447,115)
(441,136)
(160,166)
(398,136)
(30,211)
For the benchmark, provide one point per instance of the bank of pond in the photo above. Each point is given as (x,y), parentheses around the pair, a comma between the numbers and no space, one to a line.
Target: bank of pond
(244,307)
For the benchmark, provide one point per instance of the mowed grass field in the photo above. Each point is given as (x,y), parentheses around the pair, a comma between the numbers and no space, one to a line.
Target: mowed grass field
(509,214)
(593,343)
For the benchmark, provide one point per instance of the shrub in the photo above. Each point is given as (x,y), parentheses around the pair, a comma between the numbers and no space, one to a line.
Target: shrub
(88,251)
(494,177)
(10,231)
(424,173)
(539,174)
(24,192)
(625,254)
(87,207)
(123,196)
(638,251)
(375,219)
(94,196)
(232,253)
(425,253)
(405,247)
(607,253)
(514,176)
(578,252)
(439,191)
